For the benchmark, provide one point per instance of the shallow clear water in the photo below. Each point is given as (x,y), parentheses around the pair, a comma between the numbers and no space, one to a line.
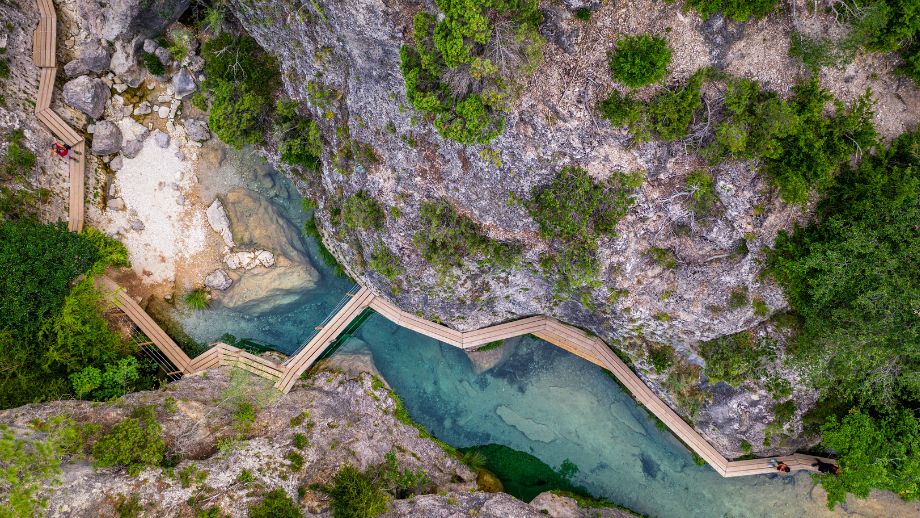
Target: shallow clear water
(557,406)
(287,326)
(538,399)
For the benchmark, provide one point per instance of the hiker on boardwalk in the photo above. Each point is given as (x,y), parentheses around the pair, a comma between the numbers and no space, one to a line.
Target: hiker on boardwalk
(779,465)
(826,467)
(62,150)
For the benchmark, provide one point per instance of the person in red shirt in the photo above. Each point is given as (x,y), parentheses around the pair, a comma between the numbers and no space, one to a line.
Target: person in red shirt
(61,150)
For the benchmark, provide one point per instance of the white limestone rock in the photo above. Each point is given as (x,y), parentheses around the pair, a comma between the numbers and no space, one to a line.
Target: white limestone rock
(219,221)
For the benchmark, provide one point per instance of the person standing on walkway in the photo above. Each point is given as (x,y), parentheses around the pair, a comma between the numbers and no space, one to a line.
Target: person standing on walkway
(62,150)
(779,465)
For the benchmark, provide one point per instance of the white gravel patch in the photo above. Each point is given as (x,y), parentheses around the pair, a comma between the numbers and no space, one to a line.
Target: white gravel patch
(159,225)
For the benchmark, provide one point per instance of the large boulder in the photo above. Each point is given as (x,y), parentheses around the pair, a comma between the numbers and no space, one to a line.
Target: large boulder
(197,130)
(183,83)
(124,59)
(87,94)
(94,56)
(106,138)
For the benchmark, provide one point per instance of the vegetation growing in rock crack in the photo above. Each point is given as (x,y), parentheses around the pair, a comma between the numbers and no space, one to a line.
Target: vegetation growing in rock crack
(640,60)
(275,504)
(298,137)
(466,68)
(573,212)
(362,212)
(447,239)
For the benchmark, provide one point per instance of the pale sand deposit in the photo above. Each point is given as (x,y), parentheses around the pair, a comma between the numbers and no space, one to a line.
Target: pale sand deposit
(156,187)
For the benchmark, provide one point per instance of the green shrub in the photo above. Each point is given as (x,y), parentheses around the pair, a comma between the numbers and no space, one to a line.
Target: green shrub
(702,189)
(300,441)
(129,507)
(362,212)
(134,443)
(356,495)
(738,297)
(275,504)
(454,73)
(153,64)
(115,381)
(640,60)
(402,483)
(295,459)
(573,211)
(242,79)
(245,477)
(298,137)
(816,53)
(800,146)
(238,115)
(583,14)
(4,69)
(667,116)
(620,109)
(386,263)
(851,276)
(27,467)
(738,10)
(197,299)
(447,239)
(875,452)
(663,257)
(662,357)
(736,358)
(21,203)
(760,307)
(190,475)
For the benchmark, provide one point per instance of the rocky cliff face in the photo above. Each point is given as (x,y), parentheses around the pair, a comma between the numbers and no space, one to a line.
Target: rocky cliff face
(342,60)
(345,421)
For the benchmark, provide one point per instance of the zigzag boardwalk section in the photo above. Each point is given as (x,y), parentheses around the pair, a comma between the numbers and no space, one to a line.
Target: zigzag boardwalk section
(44,45)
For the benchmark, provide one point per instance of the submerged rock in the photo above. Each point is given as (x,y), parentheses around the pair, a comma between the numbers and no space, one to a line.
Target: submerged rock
(261,225)
(533,430)
(247,260)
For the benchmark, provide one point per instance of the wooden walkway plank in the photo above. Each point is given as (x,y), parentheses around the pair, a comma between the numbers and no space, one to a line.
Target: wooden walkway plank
(146,324)
(472,339)
(77,207)
(45,88)
(297,364)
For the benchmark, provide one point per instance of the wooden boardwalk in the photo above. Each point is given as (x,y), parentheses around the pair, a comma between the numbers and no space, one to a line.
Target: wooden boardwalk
(285,375)
(572,339)
(44,45)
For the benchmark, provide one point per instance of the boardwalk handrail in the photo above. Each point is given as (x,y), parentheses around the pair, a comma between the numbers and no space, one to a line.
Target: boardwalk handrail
(358,299)
(316,329)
